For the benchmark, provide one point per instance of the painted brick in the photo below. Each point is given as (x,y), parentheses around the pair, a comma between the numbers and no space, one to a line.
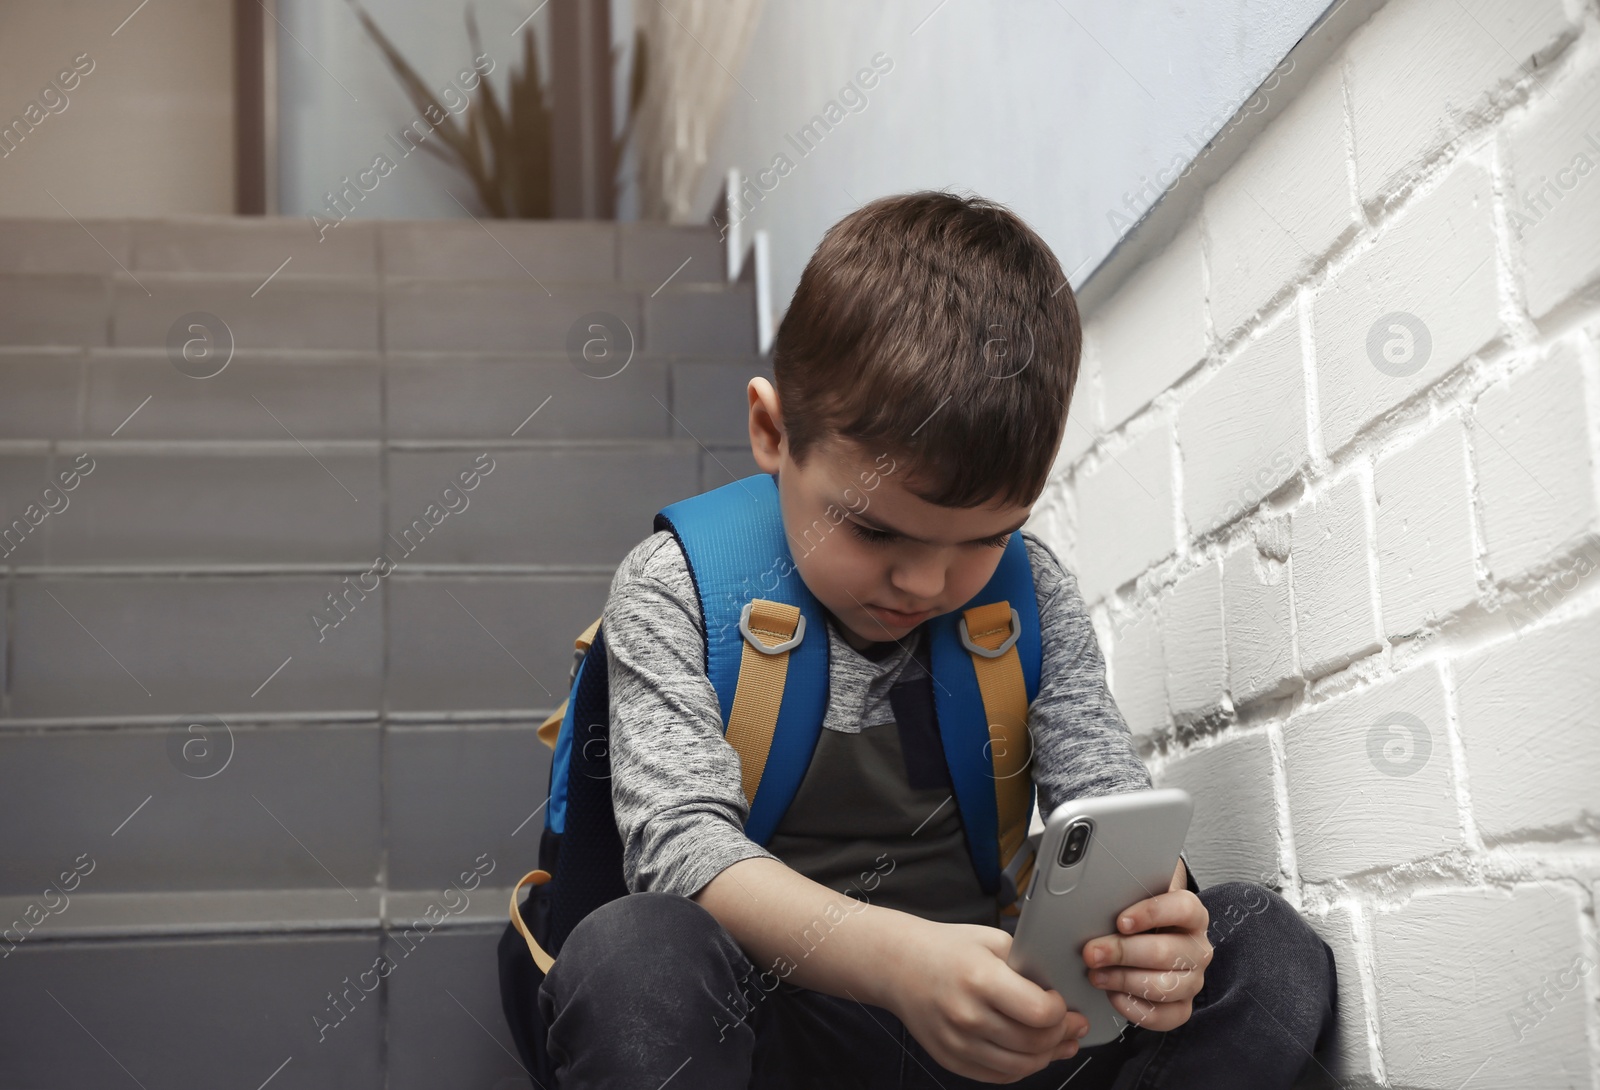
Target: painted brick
(1410,308)
(606,494)
(1083,410)
(1332,579)
(452,794)
(649,253)
(1125,514)
(291,312)
(1355,1055)
(97,646)
(39,393)
(447,396)
(511,315)
(1536,475)
(709,399)
(312,395)
(191,1014)
(216,797)
(1260,642)
(1424,525)
(435,997)
(1484,952)
(485,643)
(702,319)
(1527,713)
(1419,76)
(1369,779)
(62,246)
(285,505)
(723,465)
(1138,675)
(1192,643)
(60,309)
(1553,205)
(1234,834)
(254,244)
(1282,207)
(548,251)
(1153,331)
(1243,434)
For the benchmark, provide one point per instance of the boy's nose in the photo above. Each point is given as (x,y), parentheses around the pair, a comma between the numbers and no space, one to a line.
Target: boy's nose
(918,586)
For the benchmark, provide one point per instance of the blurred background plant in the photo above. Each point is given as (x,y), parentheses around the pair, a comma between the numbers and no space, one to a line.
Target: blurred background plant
(505,152)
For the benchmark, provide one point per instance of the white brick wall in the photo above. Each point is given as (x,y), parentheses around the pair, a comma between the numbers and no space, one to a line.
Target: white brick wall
(1481,987)
(1244,431)
(1154,329)
(1125,512)
(1283,206)
(1554,212)
(1535,464)
(1192,644)
(1260,640)
(1425,547)
(1340,527)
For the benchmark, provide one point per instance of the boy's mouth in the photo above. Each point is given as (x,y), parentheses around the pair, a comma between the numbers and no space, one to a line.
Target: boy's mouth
(896,617)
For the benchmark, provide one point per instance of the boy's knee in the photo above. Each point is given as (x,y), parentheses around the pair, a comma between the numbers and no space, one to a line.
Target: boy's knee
(641,933)
(1261,943)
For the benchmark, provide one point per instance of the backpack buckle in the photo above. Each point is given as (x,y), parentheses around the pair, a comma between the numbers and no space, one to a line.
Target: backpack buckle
(744,630)
(1016,630)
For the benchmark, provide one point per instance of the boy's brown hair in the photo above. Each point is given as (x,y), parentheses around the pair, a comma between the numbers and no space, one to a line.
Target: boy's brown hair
(938,329)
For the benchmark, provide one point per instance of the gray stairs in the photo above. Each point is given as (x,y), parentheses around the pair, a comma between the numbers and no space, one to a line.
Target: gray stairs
(261,798)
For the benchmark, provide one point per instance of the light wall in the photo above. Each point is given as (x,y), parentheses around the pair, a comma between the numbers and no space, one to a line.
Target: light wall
(1332,490)
(1067,111)
(147,131)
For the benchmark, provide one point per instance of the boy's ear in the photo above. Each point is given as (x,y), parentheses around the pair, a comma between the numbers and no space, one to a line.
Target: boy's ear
(766,425)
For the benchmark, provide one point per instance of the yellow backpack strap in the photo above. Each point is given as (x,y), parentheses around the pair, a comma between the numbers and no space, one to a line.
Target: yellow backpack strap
(992,630)
(550,729)
(776,627)
(540,958)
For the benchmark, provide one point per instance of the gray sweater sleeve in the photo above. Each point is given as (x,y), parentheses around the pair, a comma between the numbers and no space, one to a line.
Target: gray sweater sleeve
(1081,744)
(680,808)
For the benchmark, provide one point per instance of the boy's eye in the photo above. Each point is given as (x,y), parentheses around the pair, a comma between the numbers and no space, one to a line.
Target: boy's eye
(866,533)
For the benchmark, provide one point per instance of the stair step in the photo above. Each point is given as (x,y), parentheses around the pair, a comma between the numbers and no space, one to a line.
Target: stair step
(308,395)
(346,313)
(238,1011)
(637,254)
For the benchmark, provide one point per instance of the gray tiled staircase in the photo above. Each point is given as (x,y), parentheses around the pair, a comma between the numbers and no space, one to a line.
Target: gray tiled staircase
(208,903)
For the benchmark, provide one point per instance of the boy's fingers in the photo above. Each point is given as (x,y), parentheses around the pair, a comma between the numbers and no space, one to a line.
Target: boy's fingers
(1105,950)
(1162,951)
(1021,1000)
(1165,987)
(1156,1016)
(1177,908)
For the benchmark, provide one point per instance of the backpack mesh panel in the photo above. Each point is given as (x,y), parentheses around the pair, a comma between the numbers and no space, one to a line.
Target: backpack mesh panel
(590,851)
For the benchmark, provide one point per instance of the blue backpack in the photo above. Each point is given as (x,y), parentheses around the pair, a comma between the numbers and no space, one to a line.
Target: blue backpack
(772,683)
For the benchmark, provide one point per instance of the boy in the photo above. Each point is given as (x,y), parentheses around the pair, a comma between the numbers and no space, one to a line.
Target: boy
(923,373)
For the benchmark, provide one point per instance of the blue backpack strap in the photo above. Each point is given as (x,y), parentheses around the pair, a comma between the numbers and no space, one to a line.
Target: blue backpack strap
(959,707)
(737,550)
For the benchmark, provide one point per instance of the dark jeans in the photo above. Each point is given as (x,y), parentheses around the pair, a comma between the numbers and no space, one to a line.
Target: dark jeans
(650,991)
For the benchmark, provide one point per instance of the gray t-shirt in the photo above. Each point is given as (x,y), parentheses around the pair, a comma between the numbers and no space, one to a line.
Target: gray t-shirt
(680,808)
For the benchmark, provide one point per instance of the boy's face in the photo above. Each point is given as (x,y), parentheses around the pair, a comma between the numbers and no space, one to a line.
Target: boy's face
(934,560)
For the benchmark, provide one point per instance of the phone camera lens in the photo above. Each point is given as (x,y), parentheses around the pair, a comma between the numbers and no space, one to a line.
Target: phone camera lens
(1075,843)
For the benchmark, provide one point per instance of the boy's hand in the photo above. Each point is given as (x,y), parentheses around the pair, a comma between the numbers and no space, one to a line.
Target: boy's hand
(1155,965)
(974,1014)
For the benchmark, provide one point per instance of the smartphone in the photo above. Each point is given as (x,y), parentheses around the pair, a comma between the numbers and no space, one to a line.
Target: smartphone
(1096,857)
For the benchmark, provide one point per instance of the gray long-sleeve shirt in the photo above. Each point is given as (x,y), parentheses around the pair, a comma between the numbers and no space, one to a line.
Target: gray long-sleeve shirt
(680,808)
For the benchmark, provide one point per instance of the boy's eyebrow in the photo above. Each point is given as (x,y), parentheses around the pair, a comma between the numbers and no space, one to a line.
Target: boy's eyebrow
(897,533)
